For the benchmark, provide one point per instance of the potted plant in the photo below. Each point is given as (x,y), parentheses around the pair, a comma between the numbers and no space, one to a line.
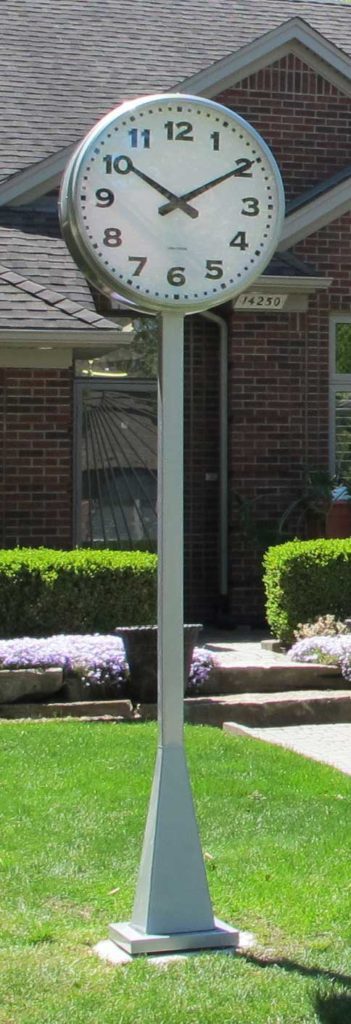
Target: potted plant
(338,519)
(323,509)
(140,645)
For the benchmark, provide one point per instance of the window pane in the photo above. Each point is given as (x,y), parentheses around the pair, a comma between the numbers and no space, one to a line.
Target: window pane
(134,354)
(118,457)
(343,348)
(343,433)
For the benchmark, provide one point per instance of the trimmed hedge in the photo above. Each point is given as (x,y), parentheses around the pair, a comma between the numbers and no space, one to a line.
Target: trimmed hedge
(43,591)
(306,579)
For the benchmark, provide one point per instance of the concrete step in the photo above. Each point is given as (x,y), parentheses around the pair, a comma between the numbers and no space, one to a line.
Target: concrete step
(293,707)
(118,710)
(227,678)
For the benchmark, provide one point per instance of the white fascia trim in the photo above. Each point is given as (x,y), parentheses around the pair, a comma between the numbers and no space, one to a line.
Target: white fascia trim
(293,285)
(35,180)
(296,35)
(60,339)
(316,215)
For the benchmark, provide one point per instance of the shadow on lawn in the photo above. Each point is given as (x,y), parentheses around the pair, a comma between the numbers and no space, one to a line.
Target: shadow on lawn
(330,1009)
(310,972)
(334,1009)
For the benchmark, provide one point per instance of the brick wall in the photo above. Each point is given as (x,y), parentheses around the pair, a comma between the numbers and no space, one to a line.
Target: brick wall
(304,119)
(201,495)
(36,438)
(278,368)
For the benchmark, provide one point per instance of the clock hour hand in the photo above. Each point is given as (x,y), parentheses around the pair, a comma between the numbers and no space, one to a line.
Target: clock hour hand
(180,203)
(172,205)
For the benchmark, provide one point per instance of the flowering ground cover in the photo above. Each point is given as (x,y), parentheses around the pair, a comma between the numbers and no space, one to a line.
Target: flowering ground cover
(97,659)
(276,831)
(325,650)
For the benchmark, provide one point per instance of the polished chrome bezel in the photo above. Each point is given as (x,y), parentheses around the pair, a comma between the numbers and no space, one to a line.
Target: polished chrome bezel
(98,275)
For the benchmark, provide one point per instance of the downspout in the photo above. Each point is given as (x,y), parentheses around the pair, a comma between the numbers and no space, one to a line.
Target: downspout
(223,456)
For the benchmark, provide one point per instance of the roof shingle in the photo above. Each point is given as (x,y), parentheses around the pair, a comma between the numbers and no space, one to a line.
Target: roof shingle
(64,63)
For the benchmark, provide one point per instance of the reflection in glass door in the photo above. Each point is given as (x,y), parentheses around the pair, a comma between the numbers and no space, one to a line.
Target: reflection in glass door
(116,464)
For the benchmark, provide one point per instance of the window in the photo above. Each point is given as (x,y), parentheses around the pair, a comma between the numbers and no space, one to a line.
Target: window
(340,405)
(116,441)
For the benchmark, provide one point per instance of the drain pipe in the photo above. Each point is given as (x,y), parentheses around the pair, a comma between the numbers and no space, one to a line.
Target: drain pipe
(223,455)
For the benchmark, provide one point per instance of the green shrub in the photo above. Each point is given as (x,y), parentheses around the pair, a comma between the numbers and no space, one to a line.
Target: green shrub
(306,579)
(43,591)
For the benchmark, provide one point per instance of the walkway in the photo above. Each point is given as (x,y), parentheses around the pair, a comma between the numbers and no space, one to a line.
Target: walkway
(328,743)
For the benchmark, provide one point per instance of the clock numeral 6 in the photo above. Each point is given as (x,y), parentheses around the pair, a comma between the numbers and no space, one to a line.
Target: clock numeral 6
(176,276)
(112,237)
(104,197)
(214,269)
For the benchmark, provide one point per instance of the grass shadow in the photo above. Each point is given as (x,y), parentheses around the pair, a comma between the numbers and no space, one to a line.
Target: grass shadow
(307,972)
(334,1009)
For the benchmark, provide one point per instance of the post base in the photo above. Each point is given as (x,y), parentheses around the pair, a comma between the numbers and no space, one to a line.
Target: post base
(136,942)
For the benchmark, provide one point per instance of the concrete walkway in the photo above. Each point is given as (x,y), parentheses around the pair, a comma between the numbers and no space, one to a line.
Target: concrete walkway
(328,743)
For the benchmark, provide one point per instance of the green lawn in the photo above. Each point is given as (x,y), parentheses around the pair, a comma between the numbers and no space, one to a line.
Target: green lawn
(73,803)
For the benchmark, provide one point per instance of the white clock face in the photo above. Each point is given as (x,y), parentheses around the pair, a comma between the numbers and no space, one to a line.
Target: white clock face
(173,202)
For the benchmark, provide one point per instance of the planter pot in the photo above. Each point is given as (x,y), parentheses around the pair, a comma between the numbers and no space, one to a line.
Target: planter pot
(140,644)
(339,519)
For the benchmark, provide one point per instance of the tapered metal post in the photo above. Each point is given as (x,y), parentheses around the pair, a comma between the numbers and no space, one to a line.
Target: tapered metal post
(172,908)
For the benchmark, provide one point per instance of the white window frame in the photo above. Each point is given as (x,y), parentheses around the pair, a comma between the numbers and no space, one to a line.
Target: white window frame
(337,382)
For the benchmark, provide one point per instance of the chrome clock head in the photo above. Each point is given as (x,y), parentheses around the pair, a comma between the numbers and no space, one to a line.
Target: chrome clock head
(173,202)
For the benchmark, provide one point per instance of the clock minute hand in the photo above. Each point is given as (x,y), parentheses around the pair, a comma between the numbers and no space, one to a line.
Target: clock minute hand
(172,205)
(178,200)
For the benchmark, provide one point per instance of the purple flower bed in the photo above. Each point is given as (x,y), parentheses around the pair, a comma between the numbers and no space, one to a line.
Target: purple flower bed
(325,650)
(97,659)
(201,666)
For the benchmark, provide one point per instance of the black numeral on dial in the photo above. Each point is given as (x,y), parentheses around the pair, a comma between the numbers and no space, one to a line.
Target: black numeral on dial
(214,269)
(141,261)
(243,166)
(104,197)
(183,133)
(121,164)
(239,241)
(253,207)
(215,140)
(137,137)
(175,276)
(112,237)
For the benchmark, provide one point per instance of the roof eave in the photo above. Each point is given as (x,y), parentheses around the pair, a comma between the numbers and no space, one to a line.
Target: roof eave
(316,215)
(293,35)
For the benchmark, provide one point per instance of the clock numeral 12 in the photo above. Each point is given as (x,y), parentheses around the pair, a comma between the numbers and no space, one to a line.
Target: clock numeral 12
(183,134)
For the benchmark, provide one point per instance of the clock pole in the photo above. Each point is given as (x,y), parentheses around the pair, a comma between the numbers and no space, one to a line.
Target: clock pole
(172,909)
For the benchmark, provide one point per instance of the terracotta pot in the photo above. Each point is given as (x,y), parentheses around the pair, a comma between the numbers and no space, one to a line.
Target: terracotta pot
(338,522)
(140,645)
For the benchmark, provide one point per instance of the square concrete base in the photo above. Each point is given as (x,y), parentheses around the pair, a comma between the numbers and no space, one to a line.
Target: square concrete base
(135,942)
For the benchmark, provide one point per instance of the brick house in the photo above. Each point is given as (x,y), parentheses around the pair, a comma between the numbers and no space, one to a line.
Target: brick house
(268,382)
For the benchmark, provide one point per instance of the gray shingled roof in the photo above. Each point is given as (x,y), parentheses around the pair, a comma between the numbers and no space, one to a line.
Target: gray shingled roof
(40,286)
(32,246)
(66,62)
